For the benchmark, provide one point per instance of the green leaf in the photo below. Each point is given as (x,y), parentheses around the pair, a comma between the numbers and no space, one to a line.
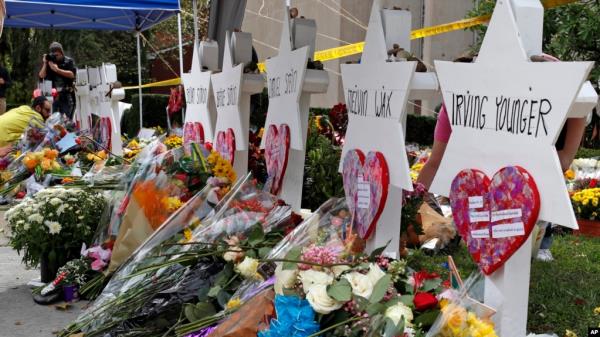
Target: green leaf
(430,285)
(392,330)
(264,252)
(427,319)
(407,300)
(340,290)
(189,310)
(204,309)
(294,255)
(203,293)
(224,275)
(223,297)
(361,302)
(379,250)
(251,253)
(376,308)
(257,235)
(214,291)
(380,288)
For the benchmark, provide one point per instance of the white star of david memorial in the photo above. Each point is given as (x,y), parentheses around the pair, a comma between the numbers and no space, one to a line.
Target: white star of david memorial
(285,80)
(506,110)
(200,103)
(376,94)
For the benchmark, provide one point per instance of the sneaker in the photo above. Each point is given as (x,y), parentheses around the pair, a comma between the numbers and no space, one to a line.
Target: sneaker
(545,255)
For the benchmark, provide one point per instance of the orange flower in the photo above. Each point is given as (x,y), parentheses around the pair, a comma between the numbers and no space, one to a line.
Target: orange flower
(150,199)
(30,163)
(46,164)
(50,154)
(67,180)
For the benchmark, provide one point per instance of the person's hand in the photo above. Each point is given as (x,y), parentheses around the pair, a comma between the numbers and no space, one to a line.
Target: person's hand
(44,59)
(2,81)
(53,66)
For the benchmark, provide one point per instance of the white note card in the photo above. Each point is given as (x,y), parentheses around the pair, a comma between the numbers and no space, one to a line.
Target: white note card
(508,230)
(480,233)
(363,193)
(479,216)
(475,202)
(507,214)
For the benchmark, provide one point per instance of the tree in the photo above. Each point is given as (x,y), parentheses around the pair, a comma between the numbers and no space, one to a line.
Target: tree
(571,32)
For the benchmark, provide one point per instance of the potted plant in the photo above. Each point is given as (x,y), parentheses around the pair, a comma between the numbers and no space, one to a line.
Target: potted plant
(586,204)
(74,275)
(49,228)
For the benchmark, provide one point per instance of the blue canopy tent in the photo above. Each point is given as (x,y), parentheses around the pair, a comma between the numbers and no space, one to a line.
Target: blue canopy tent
(128,15)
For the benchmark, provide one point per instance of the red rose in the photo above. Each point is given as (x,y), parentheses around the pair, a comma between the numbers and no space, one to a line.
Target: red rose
(421,276)
(593,183)
(446,284)
(208,146)
(424,301)
(20,195)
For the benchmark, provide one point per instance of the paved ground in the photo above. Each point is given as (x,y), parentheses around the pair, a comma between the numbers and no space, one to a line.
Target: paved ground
(19,315)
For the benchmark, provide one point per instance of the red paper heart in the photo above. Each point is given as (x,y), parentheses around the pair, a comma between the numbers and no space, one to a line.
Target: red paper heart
(277,148)
(495,217)
(193,132)
(366,183)
(225,145)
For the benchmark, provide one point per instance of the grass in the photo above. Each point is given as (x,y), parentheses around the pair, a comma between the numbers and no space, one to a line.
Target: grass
(562,293)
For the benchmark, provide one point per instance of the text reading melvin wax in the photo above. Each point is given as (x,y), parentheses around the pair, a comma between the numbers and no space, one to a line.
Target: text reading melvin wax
(521,116)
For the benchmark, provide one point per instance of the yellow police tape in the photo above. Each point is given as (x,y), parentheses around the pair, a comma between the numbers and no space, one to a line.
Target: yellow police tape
(357,48)
(165,83)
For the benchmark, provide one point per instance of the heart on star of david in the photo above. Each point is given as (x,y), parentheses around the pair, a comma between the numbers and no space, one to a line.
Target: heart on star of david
(193,132)
(366,183)
(225,144)
(495,217)
(277,149)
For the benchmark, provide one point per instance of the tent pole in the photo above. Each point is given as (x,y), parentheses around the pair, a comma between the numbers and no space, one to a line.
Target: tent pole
(180,45)
(196,39)
(139,63)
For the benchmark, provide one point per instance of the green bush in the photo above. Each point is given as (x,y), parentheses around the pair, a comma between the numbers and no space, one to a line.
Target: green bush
(419,129)
(587,153)
(154,113)
(321,178)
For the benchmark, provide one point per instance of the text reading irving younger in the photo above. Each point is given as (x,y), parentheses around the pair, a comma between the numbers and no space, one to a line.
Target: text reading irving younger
(522,116)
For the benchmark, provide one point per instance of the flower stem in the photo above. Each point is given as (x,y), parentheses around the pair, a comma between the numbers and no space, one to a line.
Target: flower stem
(336,325)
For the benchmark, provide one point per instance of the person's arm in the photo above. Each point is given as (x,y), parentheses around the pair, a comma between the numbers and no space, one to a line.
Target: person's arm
(432,165)
(43,71)
(61,72)
(575,128)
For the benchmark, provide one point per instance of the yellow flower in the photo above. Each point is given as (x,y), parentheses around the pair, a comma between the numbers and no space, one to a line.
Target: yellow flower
(187,233)
(233,303)
(585,202)
(172,203)
(597,311)
(595,201)
(570,174)
(569,333)
(443,303)
(261,132)
(212,158)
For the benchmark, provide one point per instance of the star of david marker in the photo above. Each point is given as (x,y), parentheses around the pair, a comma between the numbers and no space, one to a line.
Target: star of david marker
(201,114)
(289,98)
(505,110)
(376,94)
(232,89)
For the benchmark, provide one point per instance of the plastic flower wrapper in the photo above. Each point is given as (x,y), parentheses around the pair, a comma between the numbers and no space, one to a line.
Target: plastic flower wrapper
(462,314)
(137,294)
(328,226)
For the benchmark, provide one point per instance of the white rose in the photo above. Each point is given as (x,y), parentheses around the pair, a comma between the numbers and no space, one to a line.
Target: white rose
(311,278)
(248,267)
(320,301)
(375,273)
(396,312)
(284,279)
(360,283)
(338,270)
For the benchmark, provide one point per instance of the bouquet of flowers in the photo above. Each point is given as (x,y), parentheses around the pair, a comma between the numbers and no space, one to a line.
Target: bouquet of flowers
(186,262)
(586,168)
(463,315)
(585,203)
(174,141)
(51,225)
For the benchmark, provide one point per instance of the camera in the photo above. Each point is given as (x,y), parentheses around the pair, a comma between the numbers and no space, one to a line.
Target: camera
(51,58)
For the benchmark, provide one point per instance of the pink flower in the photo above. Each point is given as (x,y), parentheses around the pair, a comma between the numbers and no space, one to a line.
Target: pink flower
(98,265)
(318,255)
